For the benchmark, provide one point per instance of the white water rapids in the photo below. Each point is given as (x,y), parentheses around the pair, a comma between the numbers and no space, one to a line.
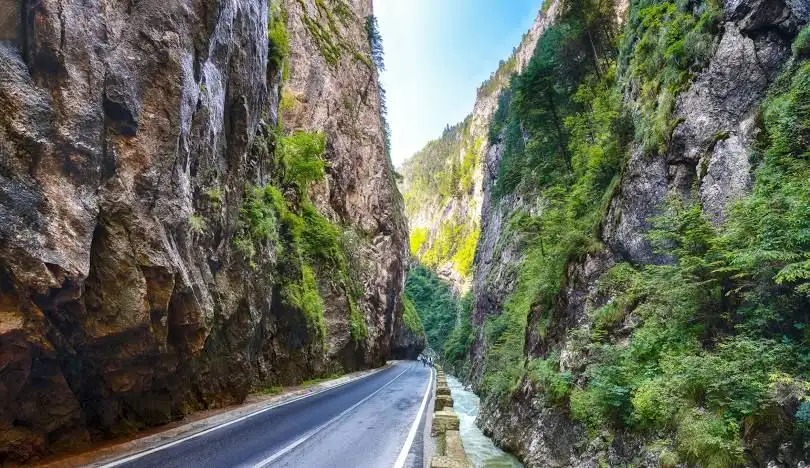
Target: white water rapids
(481,451)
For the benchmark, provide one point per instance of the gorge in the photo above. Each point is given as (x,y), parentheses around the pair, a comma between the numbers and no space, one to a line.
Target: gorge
(198,203)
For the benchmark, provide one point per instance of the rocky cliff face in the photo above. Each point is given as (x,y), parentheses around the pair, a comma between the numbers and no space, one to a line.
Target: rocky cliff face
(133,142)
(333,87)
(710,159)
(410,339)
(498,256)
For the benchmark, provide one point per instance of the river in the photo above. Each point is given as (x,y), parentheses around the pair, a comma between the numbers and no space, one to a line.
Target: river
(479,448)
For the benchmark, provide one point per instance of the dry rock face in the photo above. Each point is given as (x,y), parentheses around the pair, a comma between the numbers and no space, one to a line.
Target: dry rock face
(125,151)
(407,344)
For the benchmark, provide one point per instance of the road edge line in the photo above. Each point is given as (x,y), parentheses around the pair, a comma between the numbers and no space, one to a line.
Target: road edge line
(403,454)
(284,451)
(140,454)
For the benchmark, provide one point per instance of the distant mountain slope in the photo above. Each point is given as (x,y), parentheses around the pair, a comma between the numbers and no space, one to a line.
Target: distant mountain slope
(443,182)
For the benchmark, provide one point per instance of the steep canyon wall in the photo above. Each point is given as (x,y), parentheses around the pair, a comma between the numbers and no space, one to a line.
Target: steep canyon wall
(546,409)
(158,254)
(633,184)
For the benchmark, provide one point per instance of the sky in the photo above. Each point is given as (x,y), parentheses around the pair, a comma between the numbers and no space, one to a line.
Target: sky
(437,54)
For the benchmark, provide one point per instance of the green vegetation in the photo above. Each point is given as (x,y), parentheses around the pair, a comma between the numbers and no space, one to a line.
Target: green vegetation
(311,382)
(278,39)
(440,174)
(357,323)
(197,224)
(664,46)
(215,196)
(460,339)
(711,342)
(300,155)
(500,78)
(505,335)
(801,46)
(468,164)
(280,216)
(257,220)
(326,34)
(454,242)
(447,321)
(443,169)
(701,353)
(267,213)
(544,373)
(435,304)
(572,160)
(280,232)
(375,45)
(417,240)
(289,101)
(304,296)
(272,390)
(465,251)
(326,28)
(410,317)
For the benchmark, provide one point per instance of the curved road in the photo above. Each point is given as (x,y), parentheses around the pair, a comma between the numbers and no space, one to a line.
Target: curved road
(365,423)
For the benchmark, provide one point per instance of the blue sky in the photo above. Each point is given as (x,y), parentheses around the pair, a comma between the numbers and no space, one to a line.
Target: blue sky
(437,53)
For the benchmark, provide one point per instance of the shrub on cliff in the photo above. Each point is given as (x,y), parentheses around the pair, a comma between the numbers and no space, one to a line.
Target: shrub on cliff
(460,339)
(724,327)
(357,322)
(801,45)
(301,158)
(277,37)
(410,317)
(663,46)
(280,216)
(303,294)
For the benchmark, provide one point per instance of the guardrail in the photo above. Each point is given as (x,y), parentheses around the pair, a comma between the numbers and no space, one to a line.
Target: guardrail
(449,450)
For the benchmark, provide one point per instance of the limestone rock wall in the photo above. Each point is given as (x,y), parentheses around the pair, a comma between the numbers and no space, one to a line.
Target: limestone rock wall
(333,87)
(126,147)
(407,344)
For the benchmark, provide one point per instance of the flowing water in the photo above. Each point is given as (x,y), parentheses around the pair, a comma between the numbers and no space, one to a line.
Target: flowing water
(479,448)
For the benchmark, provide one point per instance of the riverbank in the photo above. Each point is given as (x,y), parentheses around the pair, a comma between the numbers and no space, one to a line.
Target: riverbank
(480,449)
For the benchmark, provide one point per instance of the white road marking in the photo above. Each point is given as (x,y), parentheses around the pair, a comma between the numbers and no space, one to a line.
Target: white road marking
(144,453)
(403,454)
(267,461)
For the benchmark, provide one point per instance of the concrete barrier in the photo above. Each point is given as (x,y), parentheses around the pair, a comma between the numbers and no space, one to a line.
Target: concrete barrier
(443,402)
(444,421)
(445,426)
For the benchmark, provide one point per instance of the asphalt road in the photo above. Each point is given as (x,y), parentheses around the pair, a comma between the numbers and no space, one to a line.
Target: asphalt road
(365,423)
